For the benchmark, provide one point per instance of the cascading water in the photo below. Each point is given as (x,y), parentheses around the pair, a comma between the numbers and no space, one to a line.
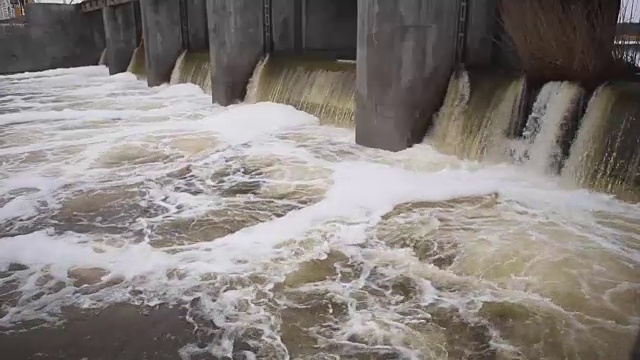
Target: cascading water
(481,113)
(546,136)
(605,155)
(477,115)
(103,57)
(193,67)
(137,64)
(323,88)
(252,232)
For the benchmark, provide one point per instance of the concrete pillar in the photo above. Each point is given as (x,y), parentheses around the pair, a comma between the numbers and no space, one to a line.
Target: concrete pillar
(161,28)
(406,52)
(315,27)
(331,27)
(236,46)
(121,33)
(481,32)
(56,36)
(286,19)
(198,33)
(138,14)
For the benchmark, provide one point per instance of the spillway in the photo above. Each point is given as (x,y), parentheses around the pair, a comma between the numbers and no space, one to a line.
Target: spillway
(324,88)
(477,115)
(254,231)
(103,57)
(550,125)
(137,64)
(605,155)
(193,67)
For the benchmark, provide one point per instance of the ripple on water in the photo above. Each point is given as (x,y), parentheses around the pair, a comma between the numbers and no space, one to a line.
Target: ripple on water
(276,238)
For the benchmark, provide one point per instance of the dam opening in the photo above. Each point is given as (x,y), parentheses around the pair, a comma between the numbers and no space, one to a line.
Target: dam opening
(261,229)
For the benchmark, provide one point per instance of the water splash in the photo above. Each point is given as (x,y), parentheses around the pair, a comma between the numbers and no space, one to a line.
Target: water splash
(137,64)
(605,155)
(548,131)
(103,57)
(193,67)
(284,239)
(322,88)
(477,116)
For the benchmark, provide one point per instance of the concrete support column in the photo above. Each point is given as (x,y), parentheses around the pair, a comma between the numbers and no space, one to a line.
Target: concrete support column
(406,51)
(315,27)
(138,14)
(481,32)
(330,27)
(161,28)
(198,33)
(286,18)
(121,34)
(236,46)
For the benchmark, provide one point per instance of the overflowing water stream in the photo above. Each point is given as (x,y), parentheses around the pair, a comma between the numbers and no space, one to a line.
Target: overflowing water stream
(283,235)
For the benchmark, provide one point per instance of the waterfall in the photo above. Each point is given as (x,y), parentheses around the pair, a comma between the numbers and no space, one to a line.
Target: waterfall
(103,57)
(605,155)
(323,88)
(137,64)
(477,115)
(193,67)
(546,137)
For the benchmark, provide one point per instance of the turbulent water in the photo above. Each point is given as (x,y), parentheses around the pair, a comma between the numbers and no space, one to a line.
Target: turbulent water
(103,57)
(283,235)
(137,64)
(606,153)
(546,135)
(323,88)
(477,115)
(193,67)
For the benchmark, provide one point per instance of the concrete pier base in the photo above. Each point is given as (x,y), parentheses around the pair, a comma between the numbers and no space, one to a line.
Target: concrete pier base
(405,55)
(121,35)
(236,46)
(162,38)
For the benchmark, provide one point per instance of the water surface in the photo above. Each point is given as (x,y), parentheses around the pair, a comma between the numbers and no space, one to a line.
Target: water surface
(281,238)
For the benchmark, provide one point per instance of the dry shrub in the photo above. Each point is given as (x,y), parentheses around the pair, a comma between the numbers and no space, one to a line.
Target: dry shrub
(565,39)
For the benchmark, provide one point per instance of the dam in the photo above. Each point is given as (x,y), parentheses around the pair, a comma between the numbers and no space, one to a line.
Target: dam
(310,179)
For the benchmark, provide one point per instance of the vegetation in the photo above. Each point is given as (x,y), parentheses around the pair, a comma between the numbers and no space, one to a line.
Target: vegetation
(567,39)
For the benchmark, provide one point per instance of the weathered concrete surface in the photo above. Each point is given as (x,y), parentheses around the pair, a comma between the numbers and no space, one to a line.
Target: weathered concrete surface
(162,38)
(138,14)
(55,36)
(481,32)
(198,33)
(405,57)
(504,53)
(236,46)
(331,26)
(286,20)
(122,36)
(315,27)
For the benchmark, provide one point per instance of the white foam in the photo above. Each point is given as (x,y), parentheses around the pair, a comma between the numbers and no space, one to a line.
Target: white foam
(245,122)
(267,143)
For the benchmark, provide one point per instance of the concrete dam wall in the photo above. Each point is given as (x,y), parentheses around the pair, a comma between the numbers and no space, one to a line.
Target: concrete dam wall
(54,36)
(400,72)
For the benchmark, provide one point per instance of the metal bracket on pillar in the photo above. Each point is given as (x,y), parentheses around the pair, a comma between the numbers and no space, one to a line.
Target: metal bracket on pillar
(461,38)
(267,30)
